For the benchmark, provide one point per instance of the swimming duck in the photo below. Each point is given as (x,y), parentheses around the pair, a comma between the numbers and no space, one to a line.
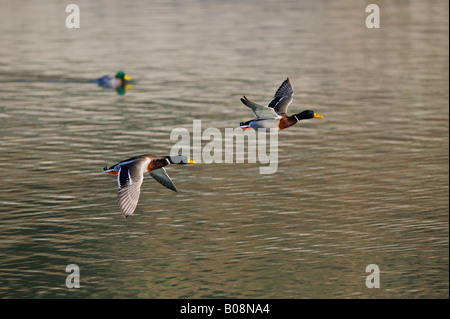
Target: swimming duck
(130,175)
(274,114)
(119,82)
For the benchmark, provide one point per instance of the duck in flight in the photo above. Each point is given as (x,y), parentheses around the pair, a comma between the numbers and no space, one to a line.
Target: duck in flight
(274,114)
(130,175)
(119,82)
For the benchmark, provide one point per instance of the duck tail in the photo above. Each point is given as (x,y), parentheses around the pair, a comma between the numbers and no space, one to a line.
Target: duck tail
(109,171)
(245,125)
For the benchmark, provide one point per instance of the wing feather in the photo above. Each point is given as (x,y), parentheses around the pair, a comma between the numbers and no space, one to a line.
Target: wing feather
(129,189)
(283,97)
(160,175)
(260,111)
(128,199)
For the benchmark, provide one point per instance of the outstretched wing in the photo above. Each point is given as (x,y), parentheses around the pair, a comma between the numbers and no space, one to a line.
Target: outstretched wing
(129,190)
(283,97)
(161,177)
(260,111)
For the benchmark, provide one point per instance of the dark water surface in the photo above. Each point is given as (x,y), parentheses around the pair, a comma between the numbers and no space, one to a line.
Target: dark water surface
(367,184)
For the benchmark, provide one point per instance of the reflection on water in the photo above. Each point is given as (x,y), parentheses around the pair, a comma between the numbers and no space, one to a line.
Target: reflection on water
(368,184)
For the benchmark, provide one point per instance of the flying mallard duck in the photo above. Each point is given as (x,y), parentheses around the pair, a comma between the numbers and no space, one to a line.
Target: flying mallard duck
(274,114)
(119,82)
(130,175)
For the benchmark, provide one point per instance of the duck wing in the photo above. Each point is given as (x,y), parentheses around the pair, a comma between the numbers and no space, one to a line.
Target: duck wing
(160,175)
(260,111)
(129,178)
(283,97)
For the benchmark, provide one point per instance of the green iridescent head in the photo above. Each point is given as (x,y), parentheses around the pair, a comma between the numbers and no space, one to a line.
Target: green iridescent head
(120,75)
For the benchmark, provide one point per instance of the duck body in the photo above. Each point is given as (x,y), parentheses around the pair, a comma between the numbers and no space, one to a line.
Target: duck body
(261,124)
(282,122)
(109,82)
(130,176)
(118,82)
(141,164)
(274,114)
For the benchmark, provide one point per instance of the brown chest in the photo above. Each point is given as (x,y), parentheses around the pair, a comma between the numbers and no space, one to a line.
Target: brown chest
(286,121)
(156,163)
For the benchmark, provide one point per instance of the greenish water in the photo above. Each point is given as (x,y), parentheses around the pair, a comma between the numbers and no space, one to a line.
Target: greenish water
(367,184)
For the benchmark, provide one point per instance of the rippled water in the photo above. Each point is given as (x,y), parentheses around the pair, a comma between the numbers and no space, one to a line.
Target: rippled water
(367,184)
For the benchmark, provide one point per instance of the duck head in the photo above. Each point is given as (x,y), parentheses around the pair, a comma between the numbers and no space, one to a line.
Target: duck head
(308,114)
(180,159)
(122,76)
